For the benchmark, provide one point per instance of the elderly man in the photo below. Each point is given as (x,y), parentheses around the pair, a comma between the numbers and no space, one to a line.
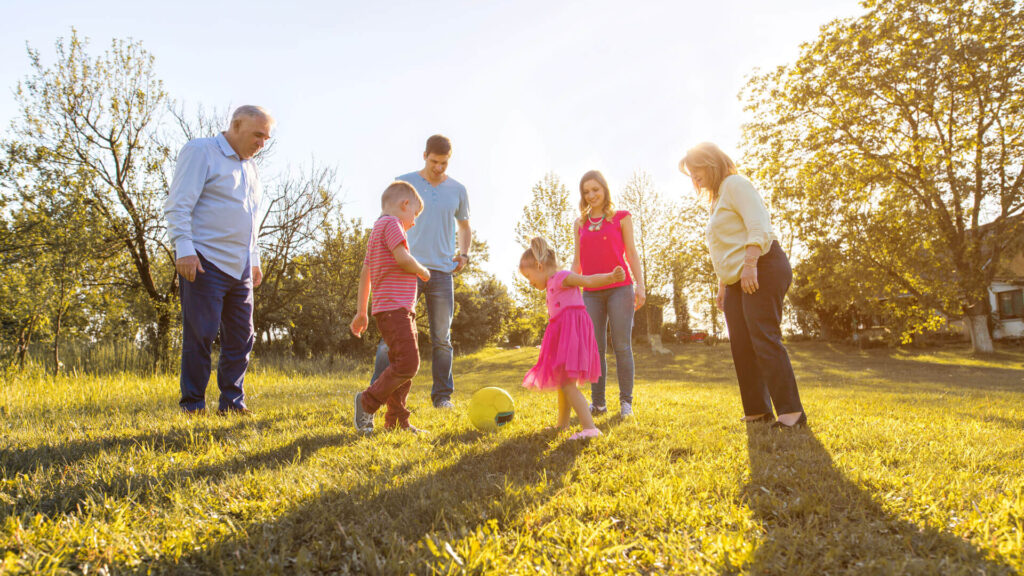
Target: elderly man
(432,241)
(211,213)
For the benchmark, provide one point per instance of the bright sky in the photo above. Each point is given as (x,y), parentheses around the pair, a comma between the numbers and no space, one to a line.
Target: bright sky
(521,88)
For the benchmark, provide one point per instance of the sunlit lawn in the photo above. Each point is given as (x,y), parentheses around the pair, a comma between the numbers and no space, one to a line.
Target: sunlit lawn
(914,464)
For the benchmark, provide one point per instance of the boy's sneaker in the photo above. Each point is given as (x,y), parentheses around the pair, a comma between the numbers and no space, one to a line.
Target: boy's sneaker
(363,419)
(626,410)
(597,410)
(444,405)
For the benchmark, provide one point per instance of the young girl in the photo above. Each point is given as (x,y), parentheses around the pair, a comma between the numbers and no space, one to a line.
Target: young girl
(568,352)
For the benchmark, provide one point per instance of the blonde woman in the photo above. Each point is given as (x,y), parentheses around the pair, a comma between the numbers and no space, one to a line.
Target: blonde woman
(753,277)
(603,241)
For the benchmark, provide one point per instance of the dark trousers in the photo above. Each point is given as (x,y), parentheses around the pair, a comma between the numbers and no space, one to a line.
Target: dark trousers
(216,301)
(391,388)
(762,363)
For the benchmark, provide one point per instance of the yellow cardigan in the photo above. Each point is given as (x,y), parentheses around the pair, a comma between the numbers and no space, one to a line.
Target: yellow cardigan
(738,219)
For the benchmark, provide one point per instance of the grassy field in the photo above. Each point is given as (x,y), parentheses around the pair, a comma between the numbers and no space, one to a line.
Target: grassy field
(914,464)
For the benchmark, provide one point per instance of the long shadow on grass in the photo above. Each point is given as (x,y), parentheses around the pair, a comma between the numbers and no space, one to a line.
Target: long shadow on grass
(816,521)
(186,436)
(387,524)
(150,487)
(886,372)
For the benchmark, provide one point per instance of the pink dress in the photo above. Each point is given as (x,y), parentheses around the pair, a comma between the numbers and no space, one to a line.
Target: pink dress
(568,351)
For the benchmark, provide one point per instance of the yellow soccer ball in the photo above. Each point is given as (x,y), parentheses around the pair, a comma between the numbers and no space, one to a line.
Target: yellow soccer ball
(491,408)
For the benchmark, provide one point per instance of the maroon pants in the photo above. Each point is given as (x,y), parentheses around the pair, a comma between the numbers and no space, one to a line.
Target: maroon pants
(391,388)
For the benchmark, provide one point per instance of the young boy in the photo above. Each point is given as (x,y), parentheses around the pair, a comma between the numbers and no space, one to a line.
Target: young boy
(389,272)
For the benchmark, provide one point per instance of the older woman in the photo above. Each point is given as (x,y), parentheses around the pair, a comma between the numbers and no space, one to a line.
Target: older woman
(753,277)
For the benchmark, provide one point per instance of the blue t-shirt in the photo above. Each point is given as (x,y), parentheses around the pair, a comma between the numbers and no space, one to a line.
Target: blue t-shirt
(432,239)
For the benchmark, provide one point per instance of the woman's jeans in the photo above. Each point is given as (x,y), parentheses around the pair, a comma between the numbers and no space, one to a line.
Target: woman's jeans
(612,306)
(762,363)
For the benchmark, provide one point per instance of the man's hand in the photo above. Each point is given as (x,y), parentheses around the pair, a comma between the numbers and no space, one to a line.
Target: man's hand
(257,276)
(720,297)
(359,324)
(462,262)
(187,266)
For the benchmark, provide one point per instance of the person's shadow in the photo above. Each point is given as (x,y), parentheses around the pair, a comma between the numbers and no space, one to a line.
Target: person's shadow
(816,521)
(369,527)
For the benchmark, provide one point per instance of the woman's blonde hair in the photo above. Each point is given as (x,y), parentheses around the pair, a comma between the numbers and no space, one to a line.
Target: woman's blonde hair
(713,161)
(539,251)
(608,208)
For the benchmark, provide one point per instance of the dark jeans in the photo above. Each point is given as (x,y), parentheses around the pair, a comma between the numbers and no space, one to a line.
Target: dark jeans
(391,388)
(612,306)
(440,294)
(216,301)
(762,363)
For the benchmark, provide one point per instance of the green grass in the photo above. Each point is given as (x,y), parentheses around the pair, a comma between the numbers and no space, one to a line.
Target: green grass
(914,464)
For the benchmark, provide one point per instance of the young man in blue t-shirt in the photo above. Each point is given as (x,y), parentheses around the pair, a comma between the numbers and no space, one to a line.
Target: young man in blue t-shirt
(443,224)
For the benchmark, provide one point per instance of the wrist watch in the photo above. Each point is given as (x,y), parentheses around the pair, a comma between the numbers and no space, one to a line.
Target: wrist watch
(466,256)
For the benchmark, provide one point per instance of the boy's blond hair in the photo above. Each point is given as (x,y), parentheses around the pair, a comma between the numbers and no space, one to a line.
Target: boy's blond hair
(398,191)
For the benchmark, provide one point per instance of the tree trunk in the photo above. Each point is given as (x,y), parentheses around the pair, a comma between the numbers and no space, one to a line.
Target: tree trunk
(56,343)
(24,339)
(976,322)
(162,353)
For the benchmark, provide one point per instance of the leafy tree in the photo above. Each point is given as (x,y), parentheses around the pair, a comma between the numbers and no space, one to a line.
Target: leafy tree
(897,136)
(694,277)
(319,290)
(99,117)
(653,227)
(550,213)
(482,303)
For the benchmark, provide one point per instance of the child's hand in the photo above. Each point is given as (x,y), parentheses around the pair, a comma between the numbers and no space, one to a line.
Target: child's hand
(359,324)
(618,275)
(424,275)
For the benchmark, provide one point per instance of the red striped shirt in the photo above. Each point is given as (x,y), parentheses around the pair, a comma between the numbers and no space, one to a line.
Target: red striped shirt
(391,288)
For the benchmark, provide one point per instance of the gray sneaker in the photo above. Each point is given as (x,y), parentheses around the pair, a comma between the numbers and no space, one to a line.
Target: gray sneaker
(363,419)
(626,410)
(444,405)
(597,410)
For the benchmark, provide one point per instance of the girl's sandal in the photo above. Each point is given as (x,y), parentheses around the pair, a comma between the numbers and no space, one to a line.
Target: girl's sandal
(586,434)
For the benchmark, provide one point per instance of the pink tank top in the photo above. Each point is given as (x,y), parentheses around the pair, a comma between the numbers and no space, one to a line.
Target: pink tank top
(602,249)
(561,297)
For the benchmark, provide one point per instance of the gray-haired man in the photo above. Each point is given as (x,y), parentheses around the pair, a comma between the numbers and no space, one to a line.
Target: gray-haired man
(212,219)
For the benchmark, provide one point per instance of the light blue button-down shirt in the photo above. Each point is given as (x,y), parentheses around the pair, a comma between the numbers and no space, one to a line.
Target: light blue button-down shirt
(213,205)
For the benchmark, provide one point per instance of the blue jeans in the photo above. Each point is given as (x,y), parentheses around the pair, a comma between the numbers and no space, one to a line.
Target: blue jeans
(755,337)
(614,306)
(440,294)
(216,301)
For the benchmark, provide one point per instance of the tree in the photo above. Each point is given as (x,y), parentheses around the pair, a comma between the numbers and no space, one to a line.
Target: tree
(550,214)
(482,303)
(297,221)
(653,219)
(99,117)
(693,276)
(318,292)
(898,136)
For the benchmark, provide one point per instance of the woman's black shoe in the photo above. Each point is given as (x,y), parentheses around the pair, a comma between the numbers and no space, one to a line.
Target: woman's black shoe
(801,422)
(766,418)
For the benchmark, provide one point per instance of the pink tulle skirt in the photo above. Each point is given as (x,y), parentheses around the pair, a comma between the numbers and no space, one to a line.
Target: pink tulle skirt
(568,352)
